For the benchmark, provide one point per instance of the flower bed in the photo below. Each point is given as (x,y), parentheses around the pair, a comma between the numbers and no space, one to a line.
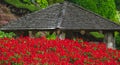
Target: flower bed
(40,51)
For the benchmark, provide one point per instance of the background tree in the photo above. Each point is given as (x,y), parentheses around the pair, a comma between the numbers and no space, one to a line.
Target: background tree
(88,4)
(54,1)
(107,9)
(117,4)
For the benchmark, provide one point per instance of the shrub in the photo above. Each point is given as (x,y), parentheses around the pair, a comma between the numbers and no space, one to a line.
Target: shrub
(8,35)
(50,36)
(117,40)
(28,4)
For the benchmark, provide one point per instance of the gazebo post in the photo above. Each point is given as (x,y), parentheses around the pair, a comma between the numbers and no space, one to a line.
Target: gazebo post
(30,34)
(109,39)
(60,34)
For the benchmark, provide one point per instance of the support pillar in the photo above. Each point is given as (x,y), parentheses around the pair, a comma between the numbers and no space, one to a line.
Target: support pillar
(60,34)
(30,34)
(109,39)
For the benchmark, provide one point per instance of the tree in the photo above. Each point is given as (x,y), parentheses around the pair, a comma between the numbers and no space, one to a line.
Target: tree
(88,4)
(54,1)
(107,9)
(117,2)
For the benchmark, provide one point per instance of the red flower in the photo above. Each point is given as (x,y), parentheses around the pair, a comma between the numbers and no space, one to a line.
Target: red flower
(39,51)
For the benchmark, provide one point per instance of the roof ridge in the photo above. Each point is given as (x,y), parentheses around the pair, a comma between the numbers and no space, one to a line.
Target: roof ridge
(62,14)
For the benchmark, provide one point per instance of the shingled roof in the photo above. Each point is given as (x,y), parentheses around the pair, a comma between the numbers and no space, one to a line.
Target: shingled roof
(64,16)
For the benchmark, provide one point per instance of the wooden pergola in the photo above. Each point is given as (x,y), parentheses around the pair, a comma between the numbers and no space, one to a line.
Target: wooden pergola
(66,17)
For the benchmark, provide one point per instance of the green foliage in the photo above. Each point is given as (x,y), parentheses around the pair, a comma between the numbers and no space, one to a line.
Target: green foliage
(97,35)
(117,40)
(117,2)
(54,1)
(26,1)
(38,34)
(88,4)
(51,36)
(16,63)
(28,4)
(42,3)
(8,35)
(118,15)
(107,9)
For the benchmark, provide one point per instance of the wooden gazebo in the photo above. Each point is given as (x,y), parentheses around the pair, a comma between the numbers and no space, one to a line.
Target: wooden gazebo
(66,17)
